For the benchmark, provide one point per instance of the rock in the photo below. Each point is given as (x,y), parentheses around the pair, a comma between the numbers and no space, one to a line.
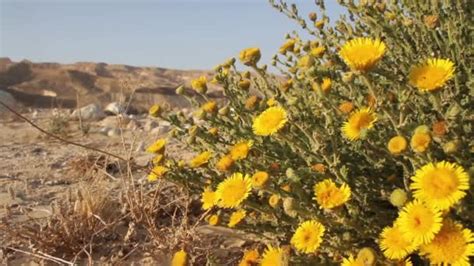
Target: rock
(114,108)
(150,125)
(114,132)
(91,112)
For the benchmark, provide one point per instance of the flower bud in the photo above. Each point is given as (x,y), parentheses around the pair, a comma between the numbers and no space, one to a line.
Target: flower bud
(319,24)
(431,21)
(289,207)
(224,110)
(244,84)
(251,102)
(155,110)
(451,147)
(313,16)
(180,90)
(250,56)
(213,131)
(366,256)
(191,140)
(398,197)
(246,75)
(192,131)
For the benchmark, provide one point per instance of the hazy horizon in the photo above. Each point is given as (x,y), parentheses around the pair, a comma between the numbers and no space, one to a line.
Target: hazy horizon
(178,34)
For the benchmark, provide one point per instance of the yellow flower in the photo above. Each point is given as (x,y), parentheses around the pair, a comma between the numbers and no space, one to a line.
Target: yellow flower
(329,196)
(326,85)
(397,144)
(346,107)
(317,51)
(367,256)
(398,197)
(157,159)
(201,159)
(154,110)
(288,46)
(250,56)
(453,245)
(394,245)
(225,163)
(431,74)
(200,84)
(420,142)
(308,236)
(305,61)
(441,184)
(358,123)
(274,257)
(236,217)
(213,219)
(233,190)
(259,179)
(419,222)
(213,131)
(274,200)
(179,258)
(157,172)
(209,107)
(319,24)
(270,121)
(250,258)
(362,53)
(157,147)
(208,198)
(251,102)
(351,262)
(271,102)
(240,150)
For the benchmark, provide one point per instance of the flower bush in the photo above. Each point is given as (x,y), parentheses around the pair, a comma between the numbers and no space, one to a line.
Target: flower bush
(358,152)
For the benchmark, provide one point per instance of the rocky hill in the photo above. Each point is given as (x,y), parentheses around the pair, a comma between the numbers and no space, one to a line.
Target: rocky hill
(46,85)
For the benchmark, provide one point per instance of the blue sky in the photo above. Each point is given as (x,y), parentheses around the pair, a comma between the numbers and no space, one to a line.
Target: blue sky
(180,34)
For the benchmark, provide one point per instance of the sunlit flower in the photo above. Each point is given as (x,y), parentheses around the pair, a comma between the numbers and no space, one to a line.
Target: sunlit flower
(351,261)
(225,163)
(233,190)
(317,51)
(259,179)
(453,245)
(201,159)
(157,172)
(213,219)
(441,184)
(157,159)
(305,61)
(308,236)
(394,245)
(326,84)
(250,56)
(155,110)
(358,123)
(419,222)
(236,217)
(362,53)
(250,258)
(213,131)
(420,142)
(288,46)
(274,257)
(209,107)
(200,84)
(208,198)
(397,145)
(269,121)
(157,147)
(431,74)
(329,196)
(240,150)
(179,258)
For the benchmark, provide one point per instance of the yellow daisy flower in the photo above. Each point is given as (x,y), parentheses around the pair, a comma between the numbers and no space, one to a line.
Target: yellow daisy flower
(317,51)
(270,121)
(362,53)
(394,245)
(351,261)
(431,74)
(157,172)
(274,257)
(213,219)
(236,217)
(329,196)
(288,46)
(208,198)
(397,145)
(441,184)
(240,150)
(157,159)
(259,179)
(453,245)
(179,258)
(233,190)
(420,142)
(250,258)
(225,163)
(199,84)
(308,236)
(201,159)
(250,56)
(358,123)
(209,107)
(157,147)
(419,222)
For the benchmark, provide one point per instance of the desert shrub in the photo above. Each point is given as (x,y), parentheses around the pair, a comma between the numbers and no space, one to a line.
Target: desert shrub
(359,150)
